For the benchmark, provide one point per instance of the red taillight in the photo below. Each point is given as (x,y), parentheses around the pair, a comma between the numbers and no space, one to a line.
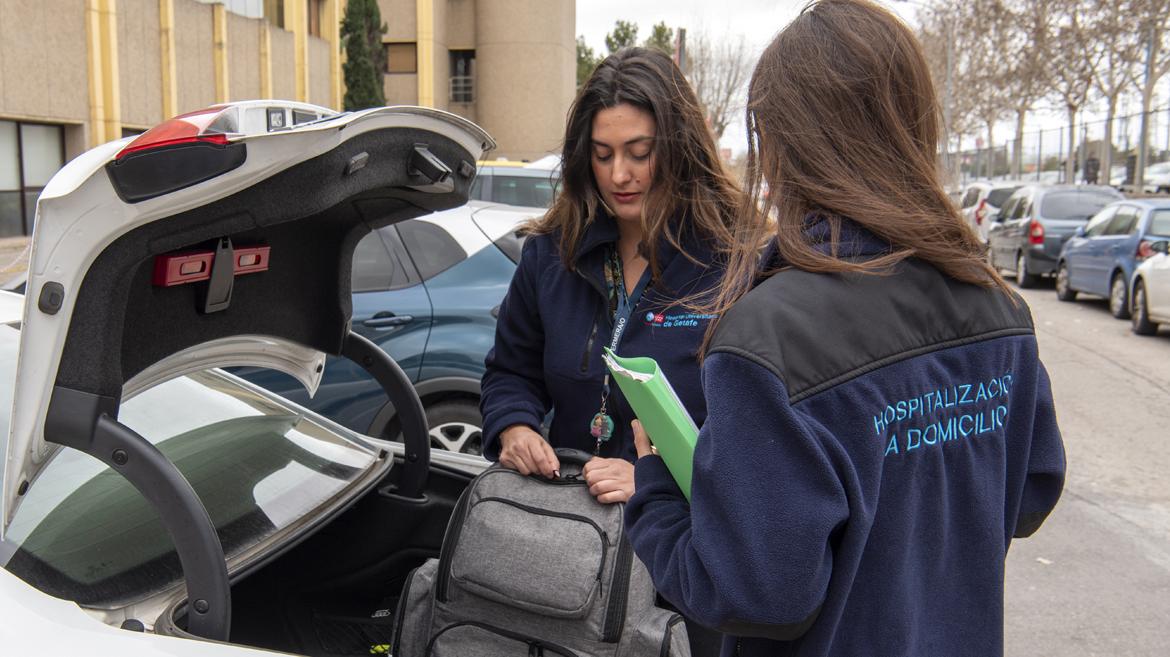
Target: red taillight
(1145,249)
(981,212)
(1036,232)
(185,128)
(177,269)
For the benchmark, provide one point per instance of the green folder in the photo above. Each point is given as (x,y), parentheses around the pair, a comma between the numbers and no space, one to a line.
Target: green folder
(657,406)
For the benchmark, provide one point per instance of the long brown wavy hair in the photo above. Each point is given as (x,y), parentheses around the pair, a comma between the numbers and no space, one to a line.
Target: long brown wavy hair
(843,122)
(689,178)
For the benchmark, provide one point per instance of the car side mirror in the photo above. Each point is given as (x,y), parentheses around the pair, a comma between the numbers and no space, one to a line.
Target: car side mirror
(1079,232)
(1161,247)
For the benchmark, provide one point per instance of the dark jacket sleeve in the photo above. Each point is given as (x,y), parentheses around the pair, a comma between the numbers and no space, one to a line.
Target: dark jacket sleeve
(513,389)
(1045,478)
(751,554)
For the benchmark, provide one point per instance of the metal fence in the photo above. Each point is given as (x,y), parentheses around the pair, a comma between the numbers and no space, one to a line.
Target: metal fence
(1042,154)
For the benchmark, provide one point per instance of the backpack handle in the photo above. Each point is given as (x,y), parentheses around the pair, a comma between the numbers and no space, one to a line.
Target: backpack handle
(574,456)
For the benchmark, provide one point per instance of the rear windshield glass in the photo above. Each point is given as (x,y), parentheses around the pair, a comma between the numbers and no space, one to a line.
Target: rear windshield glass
(528,191)
(998,196)
(1074,205)
(85,534)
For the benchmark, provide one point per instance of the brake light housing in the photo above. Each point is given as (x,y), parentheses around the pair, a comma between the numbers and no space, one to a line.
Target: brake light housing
(1036,232)
(1145,249)
(981,212)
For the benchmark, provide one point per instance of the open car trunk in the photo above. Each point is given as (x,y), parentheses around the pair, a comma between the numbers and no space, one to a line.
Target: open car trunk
(168,255)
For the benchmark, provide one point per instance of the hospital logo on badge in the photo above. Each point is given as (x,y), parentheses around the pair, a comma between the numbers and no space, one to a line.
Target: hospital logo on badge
(649,317)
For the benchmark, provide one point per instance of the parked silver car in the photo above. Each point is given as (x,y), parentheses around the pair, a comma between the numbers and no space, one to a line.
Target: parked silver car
(981,202)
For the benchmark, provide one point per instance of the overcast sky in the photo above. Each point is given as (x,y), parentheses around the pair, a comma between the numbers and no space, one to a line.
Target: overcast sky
(757,21)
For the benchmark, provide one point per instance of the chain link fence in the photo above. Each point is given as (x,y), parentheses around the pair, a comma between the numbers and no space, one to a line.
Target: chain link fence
(1042,155)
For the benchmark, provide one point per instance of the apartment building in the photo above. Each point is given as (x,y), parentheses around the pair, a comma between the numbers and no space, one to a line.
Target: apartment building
(77,73)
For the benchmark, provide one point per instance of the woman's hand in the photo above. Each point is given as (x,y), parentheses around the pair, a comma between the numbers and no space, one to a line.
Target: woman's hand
(527,452)
(610,480)
(641,440)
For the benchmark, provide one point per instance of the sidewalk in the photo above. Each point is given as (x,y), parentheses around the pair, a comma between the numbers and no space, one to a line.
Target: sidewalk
(13,256)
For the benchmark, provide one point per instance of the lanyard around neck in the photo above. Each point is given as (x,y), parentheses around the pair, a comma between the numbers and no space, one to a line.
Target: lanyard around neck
(625,302)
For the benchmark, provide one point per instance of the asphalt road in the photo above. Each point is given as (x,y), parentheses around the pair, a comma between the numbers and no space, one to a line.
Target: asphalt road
(1095,580)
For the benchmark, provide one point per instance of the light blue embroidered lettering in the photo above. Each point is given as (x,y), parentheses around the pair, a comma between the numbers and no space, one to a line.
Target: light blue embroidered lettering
(879,425)
(993,388)
(965,389)
(965,432)
(946,431)
(982,394)
(913,439)
(915,405)
(901,410)
(930,435)
(893,447)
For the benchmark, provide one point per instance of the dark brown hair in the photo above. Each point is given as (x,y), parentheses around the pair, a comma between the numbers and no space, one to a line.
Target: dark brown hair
(843,122)
(689,178)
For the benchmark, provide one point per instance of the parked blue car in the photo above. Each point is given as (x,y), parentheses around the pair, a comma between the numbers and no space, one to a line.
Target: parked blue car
(427,291)
(1101,257)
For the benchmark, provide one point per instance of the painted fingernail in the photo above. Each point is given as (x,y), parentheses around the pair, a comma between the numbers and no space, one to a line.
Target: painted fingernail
(557,474)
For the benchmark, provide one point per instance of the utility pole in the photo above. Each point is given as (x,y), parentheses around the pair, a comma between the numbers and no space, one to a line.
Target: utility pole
(1139,174)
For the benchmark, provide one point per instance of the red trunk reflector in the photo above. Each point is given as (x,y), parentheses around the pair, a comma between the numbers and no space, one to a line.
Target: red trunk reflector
(1036,232)
(981,212)
(1145,249)
(192,267)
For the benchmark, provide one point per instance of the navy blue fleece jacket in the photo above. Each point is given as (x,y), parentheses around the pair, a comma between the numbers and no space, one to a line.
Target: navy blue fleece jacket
(872,446)
(554,322)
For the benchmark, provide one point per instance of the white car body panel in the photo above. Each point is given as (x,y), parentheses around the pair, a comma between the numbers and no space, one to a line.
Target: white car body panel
(36,624)
(1155,274)
(79,214)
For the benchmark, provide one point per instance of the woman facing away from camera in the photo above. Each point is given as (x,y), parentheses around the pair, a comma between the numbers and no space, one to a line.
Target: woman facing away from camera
(879,426)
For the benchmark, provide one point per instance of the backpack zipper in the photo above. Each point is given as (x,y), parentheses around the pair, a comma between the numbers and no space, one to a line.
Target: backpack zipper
(619,592)
(400,614)
(667,637)
(454,528)
(536,647)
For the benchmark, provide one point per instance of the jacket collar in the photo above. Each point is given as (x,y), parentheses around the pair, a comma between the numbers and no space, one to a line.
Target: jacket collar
(854,241)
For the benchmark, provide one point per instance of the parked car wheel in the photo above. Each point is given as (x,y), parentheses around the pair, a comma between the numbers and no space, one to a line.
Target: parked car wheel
(1119,297)
(1023,278)
(1063,291)
(1141,312)
(456,426)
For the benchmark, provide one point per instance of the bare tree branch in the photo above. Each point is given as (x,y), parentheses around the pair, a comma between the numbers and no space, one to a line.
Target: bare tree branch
(718,69)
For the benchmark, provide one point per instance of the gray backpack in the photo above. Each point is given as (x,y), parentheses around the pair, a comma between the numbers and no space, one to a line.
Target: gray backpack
(533,567)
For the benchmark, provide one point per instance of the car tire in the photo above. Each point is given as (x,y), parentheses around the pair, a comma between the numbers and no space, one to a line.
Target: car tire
(1141,311)
(1023,278)
(1063,291)
(456,426)
(1119,297)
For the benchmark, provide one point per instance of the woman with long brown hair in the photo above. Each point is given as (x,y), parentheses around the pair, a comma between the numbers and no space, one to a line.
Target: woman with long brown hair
(879,424)
(643,207)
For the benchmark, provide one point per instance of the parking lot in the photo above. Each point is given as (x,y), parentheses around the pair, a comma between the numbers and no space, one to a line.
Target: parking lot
(1095,580)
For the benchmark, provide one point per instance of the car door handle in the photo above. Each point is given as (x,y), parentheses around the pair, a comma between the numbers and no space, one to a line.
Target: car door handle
(387,319)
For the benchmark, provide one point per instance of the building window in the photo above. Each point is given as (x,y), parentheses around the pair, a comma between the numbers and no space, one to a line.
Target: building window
(462,88)
(30,153)
(314,14)
(274,12)
(401,57)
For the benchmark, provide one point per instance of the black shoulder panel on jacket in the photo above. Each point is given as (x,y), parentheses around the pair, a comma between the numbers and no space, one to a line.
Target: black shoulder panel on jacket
(815,331)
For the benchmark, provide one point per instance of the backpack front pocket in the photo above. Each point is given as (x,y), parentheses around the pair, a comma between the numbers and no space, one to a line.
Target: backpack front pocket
(544,561)
(482,640)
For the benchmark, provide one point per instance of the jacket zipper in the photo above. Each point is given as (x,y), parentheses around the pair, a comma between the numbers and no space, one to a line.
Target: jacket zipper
(536,647)
(589,346)
(450,541)
(400,614)
(619,592)
(667,637)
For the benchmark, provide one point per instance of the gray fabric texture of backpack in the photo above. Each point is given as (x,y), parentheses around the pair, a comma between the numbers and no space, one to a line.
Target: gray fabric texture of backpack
(533,567)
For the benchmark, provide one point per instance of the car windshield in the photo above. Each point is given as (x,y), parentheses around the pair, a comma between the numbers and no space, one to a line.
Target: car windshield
(528,191)
(84,533)
(999,195)
(1074,204)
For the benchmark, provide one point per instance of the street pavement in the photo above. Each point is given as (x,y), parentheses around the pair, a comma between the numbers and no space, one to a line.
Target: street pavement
(1095,579)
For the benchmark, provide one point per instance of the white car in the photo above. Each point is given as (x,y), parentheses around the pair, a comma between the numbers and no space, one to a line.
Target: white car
(981,202)
(148,497)
(1151,291)
(1157,178)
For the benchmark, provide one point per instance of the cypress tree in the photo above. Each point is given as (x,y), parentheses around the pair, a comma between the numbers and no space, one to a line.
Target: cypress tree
(361,36)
